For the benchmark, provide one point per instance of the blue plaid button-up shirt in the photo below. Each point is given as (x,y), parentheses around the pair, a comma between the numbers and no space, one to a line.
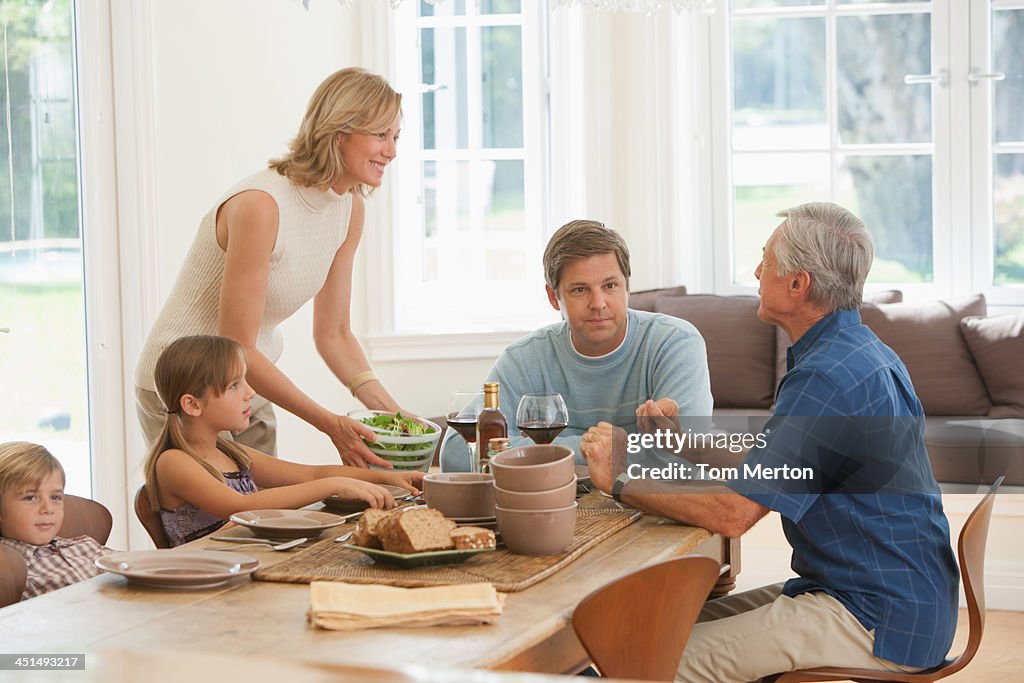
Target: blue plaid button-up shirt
(883,551)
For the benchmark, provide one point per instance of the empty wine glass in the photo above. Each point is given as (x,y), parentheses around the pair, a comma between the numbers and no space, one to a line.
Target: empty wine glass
(463,409)
(542,416)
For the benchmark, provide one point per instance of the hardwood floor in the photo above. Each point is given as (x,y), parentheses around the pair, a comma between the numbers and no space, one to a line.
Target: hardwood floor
(1000,658)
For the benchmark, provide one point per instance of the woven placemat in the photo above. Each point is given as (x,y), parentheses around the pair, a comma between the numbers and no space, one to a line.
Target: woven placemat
(509,572)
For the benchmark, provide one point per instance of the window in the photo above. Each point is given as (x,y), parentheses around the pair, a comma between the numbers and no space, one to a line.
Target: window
(471,224)
(904,112)
(43,357)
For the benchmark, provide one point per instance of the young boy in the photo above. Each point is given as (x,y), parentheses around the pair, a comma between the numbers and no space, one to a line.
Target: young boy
(31,514)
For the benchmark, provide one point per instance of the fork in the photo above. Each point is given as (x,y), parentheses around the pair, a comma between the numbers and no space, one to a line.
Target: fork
(295,543)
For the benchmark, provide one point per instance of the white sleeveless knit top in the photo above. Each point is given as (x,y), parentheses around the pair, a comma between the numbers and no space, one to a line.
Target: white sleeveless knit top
(312,226)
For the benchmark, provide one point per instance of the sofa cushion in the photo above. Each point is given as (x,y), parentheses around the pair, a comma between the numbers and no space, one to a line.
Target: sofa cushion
(644,301)
(927,338)
(997,345)
(741,348)
(888,296)
(976,450)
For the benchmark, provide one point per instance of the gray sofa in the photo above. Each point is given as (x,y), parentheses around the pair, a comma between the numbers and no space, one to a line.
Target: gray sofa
(967,369)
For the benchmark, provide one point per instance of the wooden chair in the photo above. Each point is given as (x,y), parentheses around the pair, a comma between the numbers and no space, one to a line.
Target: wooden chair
(82,517)
(85,517)
(150,519)
(637,626)
(971,551)
(13,574)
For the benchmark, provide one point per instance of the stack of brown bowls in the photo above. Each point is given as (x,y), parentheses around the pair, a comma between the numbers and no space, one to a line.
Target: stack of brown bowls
(535,498)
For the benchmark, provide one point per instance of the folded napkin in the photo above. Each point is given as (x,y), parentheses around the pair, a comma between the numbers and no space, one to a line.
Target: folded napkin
(348,607)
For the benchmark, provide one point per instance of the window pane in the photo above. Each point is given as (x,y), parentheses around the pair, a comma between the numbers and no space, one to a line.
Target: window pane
(764,185)
(500,7)
(779,83)
(445,9)
(502,86)
(446,194)
(893,196)
(443,55)
(1009,219)
(747,4)
(504,186)
(874,53)
(505,264)
(1008,57)
(43,369)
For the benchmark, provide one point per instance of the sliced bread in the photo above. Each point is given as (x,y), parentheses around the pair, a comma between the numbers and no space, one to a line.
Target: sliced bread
(415,531)
(472,538)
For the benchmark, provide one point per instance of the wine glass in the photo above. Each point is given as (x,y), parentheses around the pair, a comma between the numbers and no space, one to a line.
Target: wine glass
(461,415)
(542,416)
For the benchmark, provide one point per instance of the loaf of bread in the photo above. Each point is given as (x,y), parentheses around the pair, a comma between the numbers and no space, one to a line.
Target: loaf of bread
(365,533)
(472,538)
(415,531)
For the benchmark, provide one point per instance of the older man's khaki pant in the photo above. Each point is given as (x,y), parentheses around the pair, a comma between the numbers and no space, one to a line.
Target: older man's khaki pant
(743,637)
(261,433)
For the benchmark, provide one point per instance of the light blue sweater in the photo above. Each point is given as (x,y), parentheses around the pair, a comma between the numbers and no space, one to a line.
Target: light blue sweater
(661,356)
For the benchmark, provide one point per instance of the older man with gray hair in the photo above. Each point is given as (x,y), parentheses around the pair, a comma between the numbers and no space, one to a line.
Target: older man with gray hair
(876,584)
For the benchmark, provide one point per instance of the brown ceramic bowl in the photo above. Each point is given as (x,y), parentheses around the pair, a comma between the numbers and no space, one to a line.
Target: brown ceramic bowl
(460,495)
(551,499)
(537,532)
(533,468)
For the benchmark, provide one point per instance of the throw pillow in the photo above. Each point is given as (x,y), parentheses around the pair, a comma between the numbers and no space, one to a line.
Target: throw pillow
(741,348)
(644,301)
(997,344)
(927,338)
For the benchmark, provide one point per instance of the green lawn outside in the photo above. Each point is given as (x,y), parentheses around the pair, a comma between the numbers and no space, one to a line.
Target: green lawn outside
(42,360)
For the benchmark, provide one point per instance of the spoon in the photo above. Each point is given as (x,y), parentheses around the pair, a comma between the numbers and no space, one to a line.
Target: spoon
(343,537)
(281,546)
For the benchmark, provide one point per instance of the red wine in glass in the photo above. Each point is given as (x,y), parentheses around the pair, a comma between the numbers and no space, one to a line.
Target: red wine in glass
(542,432)
(542,416)
(465,426)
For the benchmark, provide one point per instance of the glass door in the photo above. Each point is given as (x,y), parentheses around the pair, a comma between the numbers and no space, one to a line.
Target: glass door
(43,369)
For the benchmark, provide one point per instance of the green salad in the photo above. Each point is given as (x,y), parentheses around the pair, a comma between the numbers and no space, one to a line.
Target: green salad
(396,425)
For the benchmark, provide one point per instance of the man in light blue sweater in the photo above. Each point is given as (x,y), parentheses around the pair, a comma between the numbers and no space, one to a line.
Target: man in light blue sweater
(606,360)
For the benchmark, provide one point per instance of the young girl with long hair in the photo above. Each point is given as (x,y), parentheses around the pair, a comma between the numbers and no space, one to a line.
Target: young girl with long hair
(197,478)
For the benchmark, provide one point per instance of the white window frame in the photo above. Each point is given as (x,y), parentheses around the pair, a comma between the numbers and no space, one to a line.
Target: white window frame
(396,246)
(121,272)
(962,180)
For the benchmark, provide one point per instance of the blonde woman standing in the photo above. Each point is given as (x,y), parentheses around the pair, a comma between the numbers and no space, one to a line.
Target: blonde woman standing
(274,241)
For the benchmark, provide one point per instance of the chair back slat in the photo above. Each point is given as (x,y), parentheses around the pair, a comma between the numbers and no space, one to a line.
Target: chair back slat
(637,626)
(85,517)
(13,574)
(150,519)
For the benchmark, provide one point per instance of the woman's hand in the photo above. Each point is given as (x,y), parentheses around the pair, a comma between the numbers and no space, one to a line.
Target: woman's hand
(410,481)
(355,489)
(347,435)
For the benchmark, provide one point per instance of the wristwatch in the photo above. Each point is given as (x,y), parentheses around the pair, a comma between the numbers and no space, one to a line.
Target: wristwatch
(620,483)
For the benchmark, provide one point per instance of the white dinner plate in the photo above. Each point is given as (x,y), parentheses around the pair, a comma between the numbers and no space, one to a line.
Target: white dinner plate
(286,524)
(178,568)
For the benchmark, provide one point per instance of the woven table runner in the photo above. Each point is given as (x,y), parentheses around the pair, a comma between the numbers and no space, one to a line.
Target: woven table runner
(509,572)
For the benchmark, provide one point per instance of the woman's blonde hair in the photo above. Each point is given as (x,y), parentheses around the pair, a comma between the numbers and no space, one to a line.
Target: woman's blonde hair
(193,365)
(352,100)
(24,464)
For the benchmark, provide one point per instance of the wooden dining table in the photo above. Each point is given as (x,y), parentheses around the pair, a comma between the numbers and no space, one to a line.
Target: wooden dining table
(268,619)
